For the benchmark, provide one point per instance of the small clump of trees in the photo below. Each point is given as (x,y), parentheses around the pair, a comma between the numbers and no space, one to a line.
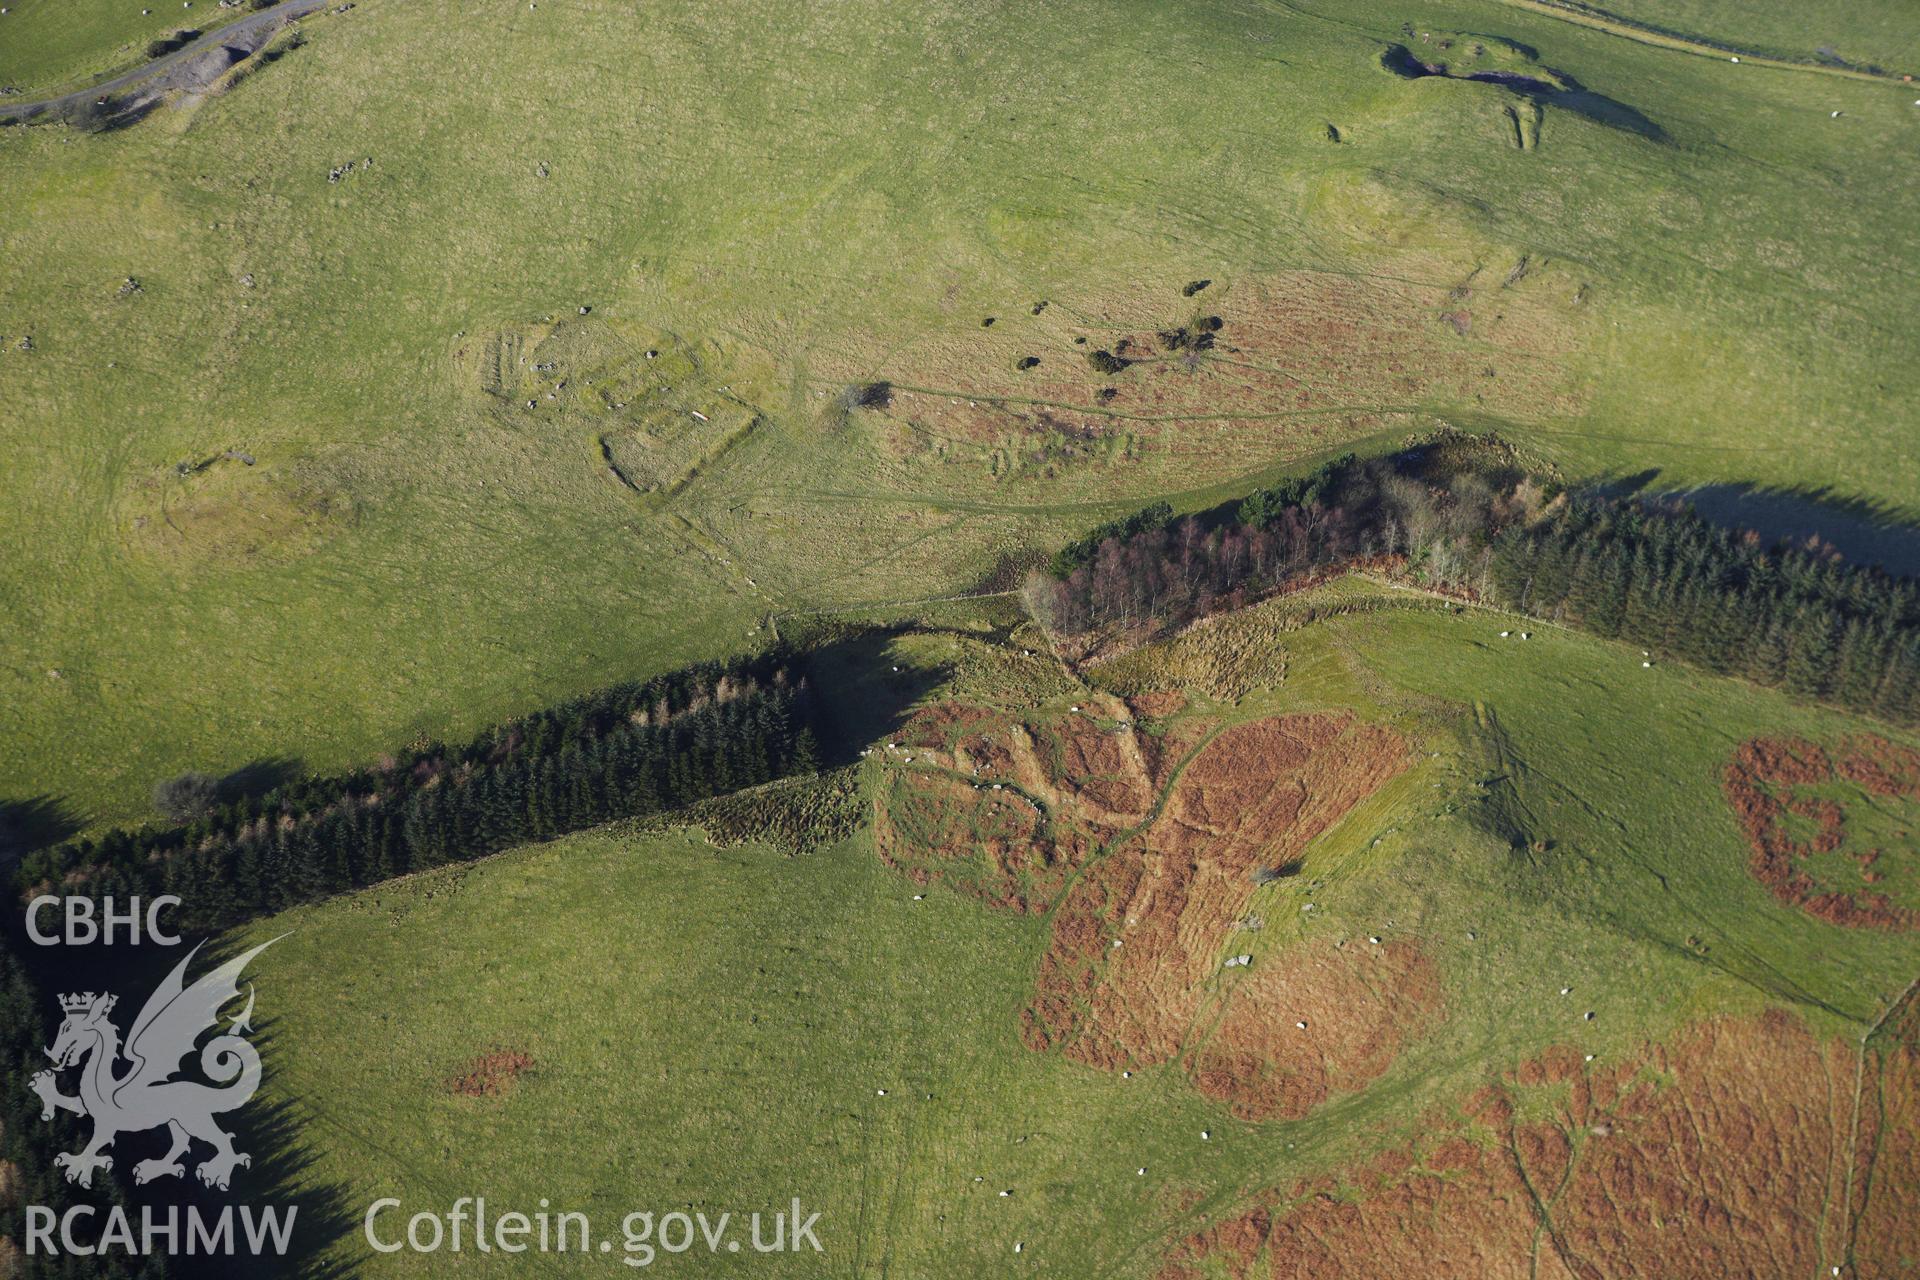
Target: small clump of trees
(1150,569)
(161,46)
(189,796)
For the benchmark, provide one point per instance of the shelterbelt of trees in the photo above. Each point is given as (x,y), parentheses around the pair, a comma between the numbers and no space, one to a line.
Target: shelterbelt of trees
(1463,515)
(622,752)
(28,1145)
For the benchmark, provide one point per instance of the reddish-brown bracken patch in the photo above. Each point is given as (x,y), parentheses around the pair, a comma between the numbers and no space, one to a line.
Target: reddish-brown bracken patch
(1721,1154)
(1768,785)
(1158,705)
(1148,843)
(946,723)
(1359,1007)
(491,1074)
(1008,809)
(1292,356)
(1254,797)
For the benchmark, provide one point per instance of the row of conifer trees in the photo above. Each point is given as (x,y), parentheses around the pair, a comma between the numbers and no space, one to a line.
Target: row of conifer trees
(1793,617)
(1468,518)
(622,752)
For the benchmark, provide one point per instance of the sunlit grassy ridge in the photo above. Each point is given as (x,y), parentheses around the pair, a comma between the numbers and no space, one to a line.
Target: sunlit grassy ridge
(797,200)
(716,1031)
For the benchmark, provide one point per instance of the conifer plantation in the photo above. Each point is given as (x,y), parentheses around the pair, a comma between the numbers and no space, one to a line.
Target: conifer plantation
(620,753)
(1463,517)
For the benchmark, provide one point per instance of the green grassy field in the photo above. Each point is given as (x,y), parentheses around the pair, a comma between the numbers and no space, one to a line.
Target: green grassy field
(56,44)
(710,1027)
(473,354)
(1877,33)
(780,205)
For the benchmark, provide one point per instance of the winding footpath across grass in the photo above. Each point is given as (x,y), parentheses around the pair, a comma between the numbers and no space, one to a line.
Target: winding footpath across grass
(251,24)
(1600,21)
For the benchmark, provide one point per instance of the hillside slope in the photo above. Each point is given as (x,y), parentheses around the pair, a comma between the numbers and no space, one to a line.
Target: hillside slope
(469,356)
(1514,1001)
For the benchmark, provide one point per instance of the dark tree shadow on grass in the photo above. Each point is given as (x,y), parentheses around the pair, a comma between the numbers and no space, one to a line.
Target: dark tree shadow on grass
(259,777)
(284,1137)
(34,823)
(1864,531)
(859,696)
(1551,88)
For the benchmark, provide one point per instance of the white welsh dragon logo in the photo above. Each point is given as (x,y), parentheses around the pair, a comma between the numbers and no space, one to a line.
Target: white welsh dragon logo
(145,1096)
